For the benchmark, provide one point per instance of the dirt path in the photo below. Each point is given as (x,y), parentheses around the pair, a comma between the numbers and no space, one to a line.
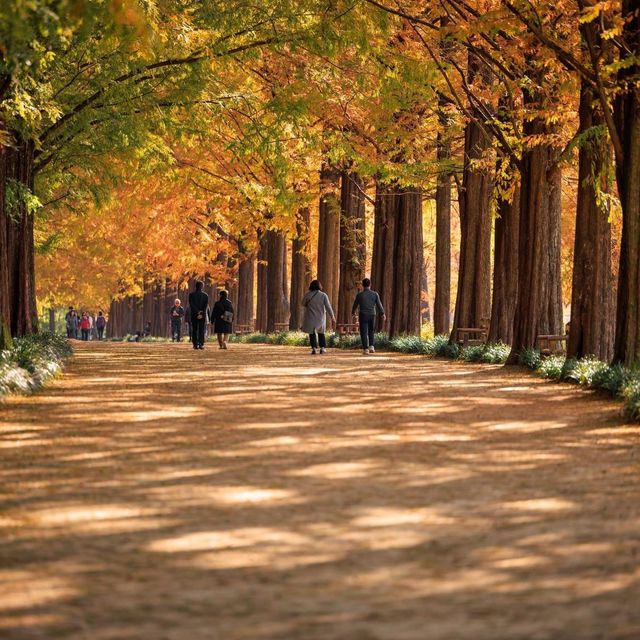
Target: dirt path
(260,494)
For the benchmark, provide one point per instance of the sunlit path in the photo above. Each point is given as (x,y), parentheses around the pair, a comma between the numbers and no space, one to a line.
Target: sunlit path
(158,493)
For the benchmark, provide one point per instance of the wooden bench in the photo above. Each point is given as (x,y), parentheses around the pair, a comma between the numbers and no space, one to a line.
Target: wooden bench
(551,345)
(348,329)
(281,326)
(471,336)
(241,329)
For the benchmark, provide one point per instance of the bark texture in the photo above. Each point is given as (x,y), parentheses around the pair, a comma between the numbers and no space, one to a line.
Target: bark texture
(538,310)
(352,242)
(300,267)
(329,234)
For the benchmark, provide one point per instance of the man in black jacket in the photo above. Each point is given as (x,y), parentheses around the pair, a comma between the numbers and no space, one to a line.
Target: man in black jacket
(199,308)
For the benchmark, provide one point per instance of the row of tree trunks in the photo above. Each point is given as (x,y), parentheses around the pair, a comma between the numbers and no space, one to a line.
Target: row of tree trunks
(328,272)
(352,242)
(18,313)
(398,261)
(261,289)
(300,267)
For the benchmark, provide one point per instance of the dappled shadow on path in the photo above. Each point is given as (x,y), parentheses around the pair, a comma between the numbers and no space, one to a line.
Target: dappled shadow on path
(261,494)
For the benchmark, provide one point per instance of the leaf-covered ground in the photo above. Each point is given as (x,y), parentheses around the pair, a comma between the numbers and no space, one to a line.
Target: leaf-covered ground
(159,493)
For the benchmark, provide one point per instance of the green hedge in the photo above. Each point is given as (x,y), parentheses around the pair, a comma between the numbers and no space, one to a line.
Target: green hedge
(31,361)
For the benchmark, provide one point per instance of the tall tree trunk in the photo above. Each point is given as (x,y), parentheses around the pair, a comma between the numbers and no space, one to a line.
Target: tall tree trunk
(398,260)
(442,301)
(474,272)
(555,324)
(19,237)
(505,269)
(384,248)
(591,300)
(409,260)
(244,305)
(5,292)
(352,242)
(277,303)
(627,119)
(300,267)
(329,234)
(538,268)
(262,294)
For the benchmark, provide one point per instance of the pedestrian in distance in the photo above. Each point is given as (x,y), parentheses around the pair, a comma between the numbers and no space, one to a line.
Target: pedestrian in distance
(72,322)
(101,323)
(85,326)
(199,307)
(368,305)
(222,319)
(146,332)
(316,307)
(176,314)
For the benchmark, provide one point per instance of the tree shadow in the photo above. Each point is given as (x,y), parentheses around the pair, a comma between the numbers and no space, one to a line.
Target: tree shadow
(262,494)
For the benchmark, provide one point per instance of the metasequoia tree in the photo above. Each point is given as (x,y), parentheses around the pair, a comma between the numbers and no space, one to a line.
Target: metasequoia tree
(300,267)
(328,271)
(352,242)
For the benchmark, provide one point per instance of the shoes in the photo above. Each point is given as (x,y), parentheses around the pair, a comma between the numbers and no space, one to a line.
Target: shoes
(313,352)
(372,350)
(365,352)
(201,346)
(323,350)
(224,345)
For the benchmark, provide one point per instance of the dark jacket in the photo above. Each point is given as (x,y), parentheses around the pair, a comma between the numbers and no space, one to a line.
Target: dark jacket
(198,302)
(176,314)
(220,325)
(368,302)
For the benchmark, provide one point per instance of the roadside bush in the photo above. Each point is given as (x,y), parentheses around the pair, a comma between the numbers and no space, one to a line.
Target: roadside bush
(407,344)
(31,361)
(631,395)
(530,358)
(496,353)
(551,367)
(472,353)
(585,370)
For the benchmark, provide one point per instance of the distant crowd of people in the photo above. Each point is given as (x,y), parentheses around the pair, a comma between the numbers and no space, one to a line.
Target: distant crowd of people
(198,316)
(82,325)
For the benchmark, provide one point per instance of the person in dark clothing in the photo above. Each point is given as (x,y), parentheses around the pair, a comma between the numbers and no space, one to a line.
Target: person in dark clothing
(147,329)
(199,307)
(176,314)
(222,319)
(368,304)
(101,323)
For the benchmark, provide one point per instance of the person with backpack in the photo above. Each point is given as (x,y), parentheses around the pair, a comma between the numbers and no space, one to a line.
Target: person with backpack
(176,313)
(199,307)
(85,326)
(222,319)
(101,323)
(316,307)
(368,304)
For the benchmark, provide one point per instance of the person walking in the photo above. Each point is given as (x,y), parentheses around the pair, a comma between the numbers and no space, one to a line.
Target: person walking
(368,304)
(222,319)
(199,307)
(316,307)
(176,314)
(101,323)
(71,320)
(85,326)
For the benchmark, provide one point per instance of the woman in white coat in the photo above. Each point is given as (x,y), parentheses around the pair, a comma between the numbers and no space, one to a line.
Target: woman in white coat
(316,307)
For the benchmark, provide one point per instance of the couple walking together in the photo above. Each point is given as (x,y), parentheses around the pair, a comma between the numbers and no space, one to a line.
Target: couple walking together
(221,316)
(317,305)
